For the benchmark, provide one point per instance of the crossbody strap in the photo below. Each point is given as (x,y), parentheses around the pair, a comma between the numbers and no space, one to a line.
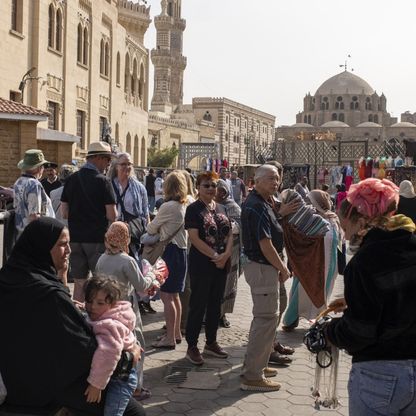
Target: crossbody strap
(120,198)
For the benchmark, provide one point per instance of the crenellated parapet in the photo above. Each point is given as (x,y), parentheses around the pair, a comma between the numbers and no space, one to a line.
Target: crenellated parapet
(135,18)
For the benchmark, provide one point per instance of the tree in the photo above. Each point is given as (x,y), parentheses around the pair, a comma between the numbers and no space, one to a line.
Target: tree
(162,158)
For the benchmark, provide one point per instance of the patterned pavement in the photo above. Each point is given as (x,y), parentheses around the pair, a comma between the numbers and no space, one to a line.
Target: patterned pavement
(166,370)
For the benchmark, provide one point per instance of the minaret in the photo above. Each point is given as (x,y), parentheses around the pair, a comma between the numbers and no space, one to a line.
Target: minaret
(167,58)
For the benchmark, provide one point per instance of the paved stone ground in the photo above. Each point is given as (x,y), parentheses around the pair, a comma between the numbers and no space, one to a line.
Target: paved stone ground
(294,398)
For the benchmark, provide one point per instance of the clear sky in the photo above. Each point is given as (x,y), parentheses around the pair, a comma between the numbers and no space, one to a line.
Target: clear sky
(269,53)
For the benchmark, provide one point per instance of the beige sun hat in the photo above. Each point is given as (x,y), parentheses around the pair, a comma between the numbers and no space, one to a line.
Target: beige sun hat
(32,159)
(99,148)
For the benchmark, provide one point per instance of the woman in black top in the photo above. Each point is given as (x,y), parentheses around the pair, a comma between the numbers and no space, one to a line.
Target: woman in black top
(209,230)
(378,327)
(47,346)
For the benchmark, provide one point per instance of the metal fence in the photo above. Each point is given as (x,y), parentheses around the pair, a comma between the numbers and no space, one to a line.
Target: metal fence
(326,154)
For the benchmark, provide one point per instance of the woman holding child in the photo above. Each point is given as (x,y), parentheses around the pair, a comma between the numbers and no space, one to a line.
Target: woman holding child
(47,357)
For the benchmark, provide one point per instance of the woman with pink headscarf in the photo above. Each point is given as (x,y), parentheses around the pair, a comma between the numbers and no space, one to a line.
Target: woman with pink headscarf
(378,328)
(116,262)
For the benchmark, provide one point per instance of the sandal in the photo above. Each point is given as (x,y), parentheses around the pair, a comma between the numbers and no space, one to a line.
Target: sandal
(283,349)
(291,327)
(142,394)
(224,322)
(163,344)
(160,337)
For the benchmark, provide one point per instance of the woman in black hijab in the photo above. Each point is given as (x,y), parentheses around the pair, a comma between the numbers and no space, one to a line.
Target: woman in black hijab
(47,347)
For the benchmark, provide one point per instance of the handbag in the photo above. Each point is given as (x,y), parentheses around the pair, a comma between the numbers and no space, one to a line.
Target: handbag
(151,252)
(136,225)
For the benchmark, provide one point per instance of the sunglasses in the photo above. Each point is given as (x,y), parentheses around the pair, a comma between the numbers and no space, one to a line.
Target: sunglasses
(209,185)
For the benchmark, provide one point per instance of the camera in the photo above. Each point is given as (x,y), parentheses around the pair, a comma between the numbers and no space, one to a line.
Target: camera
(315,342)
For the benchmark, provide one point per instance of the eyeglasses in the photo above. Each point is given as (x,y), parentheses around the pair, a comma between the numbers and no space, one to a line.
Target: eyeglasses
(125,164)
(209,185)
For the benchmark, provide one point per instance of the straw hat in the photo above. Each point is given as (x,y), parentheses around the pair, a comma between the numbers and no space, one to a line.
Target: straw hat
(32,159)
(99,148)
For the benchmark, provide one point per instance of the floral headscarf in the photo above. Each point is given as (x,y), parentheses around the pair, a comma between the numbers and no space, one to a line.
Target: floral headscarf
(117,238)
(373,197)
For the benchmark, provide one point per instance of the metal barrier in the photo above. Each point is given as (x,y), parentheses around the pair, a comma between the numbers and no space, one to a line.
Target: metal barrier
(7,235)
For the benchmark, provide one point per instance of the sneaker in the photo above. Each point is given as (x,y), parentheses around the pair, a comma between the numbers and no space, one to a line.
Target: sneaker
(194,356)
(260,385)
(278,359)
(215,350)
(269,372)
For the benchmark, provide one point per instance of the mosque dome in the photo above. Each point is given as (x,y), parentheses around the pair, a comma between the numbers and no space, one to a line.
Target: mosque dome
(403,124)
(369,124)
(301,125)
(345,83)
(334,123)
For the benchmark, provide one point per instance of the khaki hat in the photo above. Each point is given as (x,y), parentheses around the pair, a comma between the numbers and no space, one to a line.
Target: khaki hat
(33,159)
(99,148)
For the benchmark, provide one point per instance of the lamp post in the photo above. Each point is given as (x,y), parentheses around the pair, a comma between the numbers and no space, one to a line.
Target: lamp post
(26,77)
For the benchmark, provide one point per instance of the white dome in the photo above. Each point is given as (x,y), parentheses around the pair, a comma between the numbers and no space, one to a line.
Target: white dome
(345,83)
(403,124)
(301,125)
(369,124)
(334,123)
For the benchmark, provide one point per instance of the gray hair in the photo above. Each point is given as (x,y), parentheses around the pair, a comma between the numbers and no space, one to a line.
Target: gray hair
(66,171)
(263,170)
(112,172)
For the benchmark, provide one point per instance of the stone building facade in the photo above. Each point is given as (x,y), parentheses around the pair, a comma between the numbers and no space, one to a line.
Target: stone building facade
(85,63)
(243,130)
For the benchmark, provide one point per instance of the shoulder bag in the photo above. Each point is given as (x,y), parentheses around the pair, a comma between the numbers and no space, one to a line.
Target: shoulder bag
(136,224)
(152,252)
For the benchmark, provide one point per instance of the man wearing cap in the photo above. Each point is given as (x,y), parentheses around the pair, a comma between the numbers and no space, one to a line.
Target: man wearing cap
(89,204)
(30,200)
(51,181)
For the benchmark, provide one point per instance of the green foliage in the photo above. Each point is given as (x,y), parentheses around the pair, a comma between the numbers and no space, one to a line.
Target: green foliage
(162,158)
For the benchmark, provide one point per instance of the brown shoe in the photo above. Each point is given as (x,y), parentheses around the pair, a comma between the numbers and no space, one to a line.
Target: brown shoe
(283,349)
(277,359)
(194,356)
(260,385)
(215,350)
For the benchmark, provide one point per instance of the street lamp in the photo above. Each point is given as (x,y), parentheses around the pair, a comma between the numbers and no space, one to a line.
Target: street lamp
(26,77)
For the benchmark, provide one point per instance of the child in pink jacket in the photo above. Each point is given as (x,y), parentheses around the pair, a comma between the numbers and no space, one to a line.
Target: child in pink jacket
(113,323)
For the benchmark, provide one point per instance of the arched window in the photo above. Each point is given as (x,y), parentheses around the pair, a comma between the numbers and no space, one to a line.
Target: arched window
(136,150)
(370,117)
(102,57)
(79,43)
(141,87)
(128,143)
(336,105)
(170,9)
(309,119)
(322,106)
(352,105)
(51,25)
(85,47)
(368,105)
(117,133)
(341,105)
(341,117)
(305,118)
(118,69)
(375,118)
(143,152)
(134,79)
(58,39)
(106,59)
(127,74)
(334,116)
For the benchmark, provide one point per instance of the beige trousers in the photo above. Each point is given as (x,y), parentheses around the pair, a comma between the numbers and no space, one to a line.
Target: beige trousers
(264,284)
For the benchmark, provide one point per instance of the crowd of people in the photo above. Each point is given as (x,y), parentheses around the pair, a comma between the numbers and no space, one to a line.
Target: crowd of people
(100,227)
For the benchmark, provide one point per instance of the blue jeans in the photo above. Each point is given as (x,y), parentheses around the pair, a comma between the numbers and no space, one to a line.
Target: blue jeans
(151,201)
(119,393)
(384,388)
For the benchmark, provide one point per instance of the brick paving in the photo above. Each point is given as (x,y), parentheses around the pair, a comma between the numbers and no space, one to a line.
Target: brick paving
(294,398)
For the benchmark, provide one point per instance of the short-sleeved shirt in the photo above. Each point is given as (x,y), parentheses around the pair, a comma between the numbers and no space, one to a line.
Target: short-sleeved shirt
(30,198)
(258,222)
(213,228)
(87,192)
